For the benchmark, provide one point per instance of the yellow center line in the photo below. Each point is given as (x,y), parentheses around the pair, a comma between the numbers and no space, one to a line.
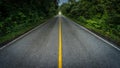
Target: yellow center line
(60,45)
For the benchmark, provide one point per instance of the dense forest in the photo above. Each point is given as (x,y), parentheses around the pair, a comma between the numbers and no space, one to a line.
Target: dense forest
(19,16)
(100,16)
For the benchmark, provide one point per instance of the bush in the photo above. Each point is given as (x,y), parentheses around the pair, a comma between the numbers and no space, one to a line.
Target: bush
(114,19)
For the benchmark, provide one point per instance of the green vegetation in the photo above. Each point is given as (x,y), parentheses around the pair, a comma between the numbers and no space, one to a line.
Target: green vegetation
(19,16)
(101,16)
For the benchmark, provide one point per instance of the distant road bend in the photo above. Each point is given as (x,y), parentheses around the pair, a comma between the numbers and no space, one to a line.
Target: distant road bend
(60,43)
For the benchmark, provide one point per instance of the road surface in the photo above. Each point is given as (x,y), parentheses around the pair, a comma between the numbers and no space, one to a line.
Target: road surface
(59,42)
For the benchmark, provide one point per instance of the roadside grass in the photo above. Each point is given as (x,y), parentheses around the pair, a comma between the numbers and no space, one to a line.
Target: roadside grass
(19,30)
(98,29)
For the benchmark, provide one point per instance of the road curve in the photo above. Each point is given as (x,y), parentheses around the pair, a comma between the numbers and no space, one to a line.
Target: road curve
(39,49)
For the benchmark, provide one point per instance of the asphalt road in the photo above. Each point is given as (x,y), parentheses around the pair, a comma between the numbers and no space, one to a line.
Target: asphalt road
(39,49)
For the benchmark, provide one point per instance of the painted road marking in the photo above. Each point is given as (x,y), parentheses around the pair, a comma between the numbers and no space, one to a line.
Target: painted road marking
(60,45)
(114,46)
(20,37)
